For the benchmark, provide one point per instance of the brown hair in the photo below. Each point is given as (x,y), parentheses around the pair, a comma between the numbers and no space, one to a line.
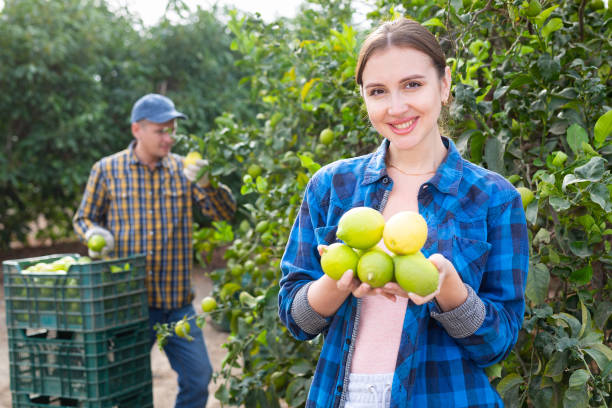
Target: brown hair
(400,32)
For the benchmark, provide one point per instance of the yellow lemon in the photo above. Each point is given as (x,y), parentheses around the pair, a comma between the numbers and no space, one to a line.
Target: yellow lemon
(361,227)
(405,232)
(191,158)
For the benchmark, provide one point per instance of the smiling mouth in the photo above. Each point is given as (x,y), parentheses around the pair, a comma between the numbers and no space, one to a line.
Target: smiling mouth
(404,125)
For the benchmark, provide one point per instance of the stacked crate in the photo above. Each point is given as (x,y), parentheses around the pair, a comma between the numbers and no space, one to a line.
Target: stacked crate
(78,338)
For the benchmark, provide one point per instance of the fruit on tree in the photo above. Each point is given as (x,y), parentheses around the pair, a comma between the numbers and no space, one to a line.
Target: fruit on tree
(337,259)
(182,328)
(254,170)
(527,196)
(361,227)
(405,232)
(326,136)
(416,274)
(208,304)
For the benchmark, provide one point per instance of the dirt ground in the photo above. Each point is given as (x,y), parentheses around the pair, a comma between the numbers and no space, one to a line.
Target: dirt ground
(164,378)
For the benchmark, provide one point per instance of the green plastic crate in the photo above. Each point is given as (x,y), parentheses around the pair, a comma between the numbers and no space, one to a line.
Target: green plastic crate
(140,397)
(88,297)
(80,365)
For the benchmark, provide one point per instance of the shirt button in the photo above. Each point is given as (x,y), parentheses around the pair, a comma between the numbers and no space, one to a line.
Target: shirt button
(339,388)
(150,211)
(150,273)
(385,180)
(150,232)
(150,252)
(348,341)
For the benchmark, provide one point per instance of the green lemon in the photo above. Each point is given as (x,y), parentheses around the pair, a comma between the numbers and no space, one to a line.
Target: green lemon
(414,273)
(375,268)
(326,136)
(254,170)
(527,195)
(337,259)
(208,304)
(182,328)
(361,227)
(96,242)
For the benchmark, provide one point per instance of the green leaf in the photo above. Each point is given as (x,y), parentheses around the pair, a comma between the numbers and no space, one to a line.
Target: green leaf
(261,338)
(494,155)
(300,367)
(582,276)
(576,398)
(579,378)
(434,22)
(508,382)
(541,18)
(600,195)
(557,364)
(601,353)
(603,311)
(570,321)
(558,203)
(575,136)
(593,170)
(538,280)
(494,371)
(553,25)
(603,128)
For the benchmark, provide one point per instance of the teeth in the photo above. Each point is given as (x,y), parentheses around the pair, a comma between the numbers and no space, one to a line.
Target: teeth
(405,124)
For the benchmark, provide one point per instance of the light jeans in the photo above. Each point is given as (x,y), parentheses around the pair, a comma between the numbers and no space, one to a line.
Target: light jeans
(369,391)
(188,358)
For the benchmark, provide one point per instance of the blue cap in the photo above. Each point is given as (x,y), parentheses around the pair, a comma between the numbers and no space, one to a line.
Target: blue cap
(155,108)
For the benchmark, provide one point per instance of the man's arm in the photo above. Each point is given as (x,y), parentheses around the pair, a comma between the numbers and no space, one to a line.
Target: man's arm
(94,205)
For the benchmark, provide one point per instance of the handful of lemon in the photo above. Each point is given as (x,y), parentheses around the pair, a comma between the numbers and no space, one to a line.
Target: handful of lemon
(404,234)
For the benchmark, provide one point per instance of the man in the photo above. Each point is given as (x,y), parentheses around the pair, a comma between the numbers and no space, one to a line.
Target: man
(140,201)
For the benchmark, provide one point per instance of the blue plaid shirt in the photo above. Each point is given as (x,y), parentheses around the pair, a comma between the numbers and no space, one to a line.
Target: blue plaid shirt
(476,220)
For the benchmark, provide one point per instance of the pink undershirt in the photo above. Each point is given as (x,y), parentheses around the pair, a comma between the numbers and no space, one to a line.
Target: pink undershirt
(381,320)
(379,334)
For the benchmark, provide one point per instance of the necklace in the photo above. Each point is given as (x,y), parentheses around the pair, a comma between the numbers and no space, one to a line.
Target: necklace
(411,174)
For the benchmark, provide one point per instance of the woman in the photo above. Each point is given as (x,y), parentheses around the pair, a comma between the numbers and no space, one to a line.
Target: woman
(385,347)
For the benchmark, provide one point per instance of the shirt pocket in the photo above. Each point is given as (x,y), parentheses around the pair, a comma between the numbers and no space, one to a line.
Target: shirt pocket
(326,235)
(469,256)
(175,206)
(123,203)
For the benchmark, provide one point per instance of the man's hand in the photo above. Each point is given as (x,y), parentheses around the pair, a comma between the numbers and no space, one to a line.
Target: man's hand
(109,241)
(191,172)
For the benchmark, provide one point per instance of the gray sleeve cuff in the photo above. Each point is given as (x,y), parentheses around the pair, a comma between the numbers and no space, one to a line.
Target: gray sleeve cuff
(465,319)
(304,315)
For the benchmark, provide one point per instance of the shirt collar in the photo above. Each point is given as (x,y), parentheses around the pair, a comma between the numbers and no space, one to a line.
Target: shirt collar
(165,162)
(446,179)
